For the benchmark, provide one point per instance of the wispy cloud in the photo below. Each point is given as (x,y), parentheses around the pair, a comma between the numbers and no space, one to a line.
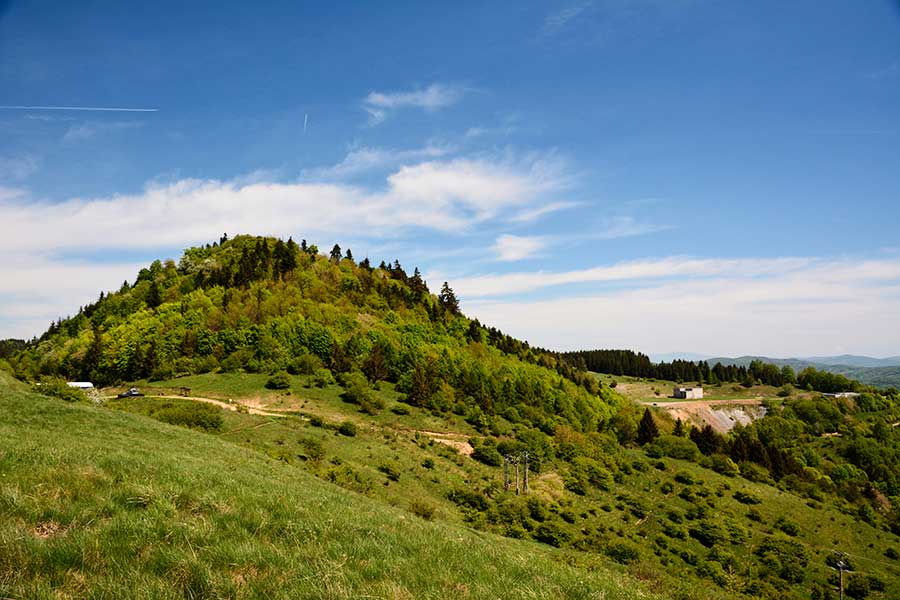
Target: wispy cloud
(532,214)
(434,97)
(88,130)
(625,226)
(81,108)
(513,247)
(366,159)
(790,306)
(17,168)
(482,286)
(557,21)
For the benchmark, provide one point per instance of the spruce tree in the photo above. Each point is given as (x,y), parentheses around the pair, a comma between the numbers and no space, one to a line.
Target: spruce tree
(679,428)
(647,429)
(336,254)
(448,299)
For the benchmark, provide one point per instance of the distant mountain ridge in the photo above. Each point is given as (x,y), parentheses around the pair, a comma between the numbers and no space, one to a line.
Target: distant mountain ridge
(880,372)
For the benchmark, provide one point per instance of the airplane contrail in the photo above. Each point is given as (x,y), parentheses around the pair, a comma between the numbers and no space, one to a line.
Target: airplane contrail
(305,119)
(91,108)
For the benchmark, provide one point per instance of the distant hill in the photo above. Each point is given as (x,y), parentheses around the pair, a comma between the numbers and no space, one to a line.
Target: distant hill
(883,372)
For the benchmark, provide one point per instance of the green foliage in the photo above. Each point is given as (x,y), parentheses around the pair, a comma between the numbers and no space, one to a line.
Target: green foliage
(192,415)
(622,552)
(347,428)
(673,447)
(58,388)
(279,381)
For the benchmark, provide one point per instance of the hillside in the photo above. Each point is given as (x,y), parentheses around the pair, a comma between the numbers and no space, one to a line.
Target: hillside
(100,503)
(336,374)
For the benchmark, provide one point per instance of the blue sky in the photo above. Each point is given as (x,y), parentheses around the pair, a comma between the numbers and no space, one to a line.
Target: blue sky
(664,175)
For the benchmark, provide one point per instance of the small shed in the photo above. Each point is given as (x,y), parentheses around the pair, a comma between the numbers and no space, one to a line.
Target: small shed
(695,393)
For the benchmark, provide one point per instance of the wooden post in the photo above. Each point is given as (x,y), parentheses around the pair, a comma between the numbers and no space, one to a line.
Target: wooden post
(525,456)
(506,472)
(517,477)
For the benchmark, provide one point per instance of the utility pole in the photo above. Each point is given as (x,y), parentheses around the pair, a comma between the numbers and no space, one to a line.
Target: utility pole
(525,458)
(506,472)
(517,477)
(841,565)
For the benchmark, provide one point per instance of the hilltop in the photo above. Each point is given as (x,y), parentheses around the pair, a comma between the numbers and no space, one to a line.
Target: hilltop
(301,371)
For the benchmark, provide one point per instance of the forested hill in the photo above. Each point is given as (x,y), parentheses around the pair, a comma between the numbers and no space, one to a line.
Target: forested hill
(265,305)
(754,370)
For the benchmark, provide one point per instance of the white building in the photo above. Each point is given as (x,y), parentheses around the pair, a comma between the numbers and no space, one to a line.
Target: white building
(81,385)
(688,392)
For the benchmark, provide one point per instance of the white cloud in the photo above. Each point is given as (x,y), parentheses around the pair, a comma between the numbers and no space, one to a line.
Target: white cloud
(517,283)
(365,159)
(435,97)
(777,307)
(17,168)
(532,214)
(513,247)
(621,227)
(555,22)
(84,131)
(437,195)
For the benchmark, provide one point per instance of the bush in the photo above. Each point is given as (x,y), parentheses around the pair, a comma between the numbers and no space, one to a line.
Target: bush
(487,453)
(58,388)
(428,463)
(399,409)
(468,498)
(279,381)
(673,447)
(722,464)
(747,497)
(551,532)
(622,552)
(787,526)
(422,509)
(312,449)
(391,470)
(193,415)
(347,428)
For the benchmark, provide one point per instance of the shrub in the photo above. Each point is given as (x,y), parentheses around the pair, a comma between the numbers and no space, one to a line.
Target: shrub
(709,533)
(468,498)
(551,532)
(422,509)
(428,463)
(672,446)
(279,381)
(193,415)
(892,553)
(390,470)
(722,464)
(486,453)
(347,428)
(399,409)
(622,552)
(789,527)
(747,497)
(312,449)
(684,477)
(58,388)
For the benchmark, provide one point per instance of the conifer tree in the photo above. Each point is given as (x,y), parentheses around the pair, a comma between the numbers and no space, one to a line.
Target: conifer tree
(679,428)
(448,299)
(647,429)
(336,254)
(348,255)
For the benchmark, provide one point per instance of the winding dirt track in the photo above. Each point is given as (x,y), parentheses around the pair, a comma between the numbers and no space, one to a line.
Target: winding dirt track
(232,406)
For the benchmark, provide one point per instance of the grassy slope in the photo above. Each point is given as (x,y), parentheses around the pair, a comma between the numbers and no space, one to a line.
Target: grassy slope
(104,504)
(635,510)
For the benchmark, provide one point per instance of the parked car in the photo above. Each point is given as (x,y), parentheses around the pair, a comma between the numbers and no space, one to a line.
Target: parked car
(132,393)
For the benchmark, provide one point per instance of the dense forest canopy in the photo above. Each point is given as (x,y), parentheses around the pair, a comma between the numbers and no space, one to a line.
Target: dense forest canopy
(265,305)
